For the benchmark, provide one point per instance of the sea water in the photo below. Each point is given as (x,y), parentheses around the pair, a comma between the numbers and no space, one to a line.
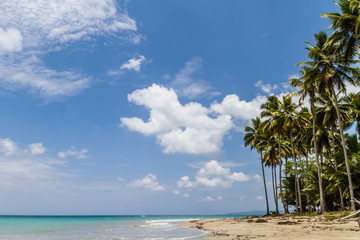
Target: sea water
(99,227)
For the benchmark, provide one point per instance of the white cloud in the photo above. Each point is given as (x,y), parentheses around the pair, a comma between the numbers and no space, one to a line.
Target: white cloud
(240,109)
(212,174)
(149,181)
(267,88)
(178,128)
(186,84)
(259,197)
(208,199)
(257,178)
(219,198)
(185,182)
(10,40)
(29,73)
(28,30)
(19,166)
(176,192)
(186,195)
(8,147)
(73,153)
(133,63)
(36,148)
(63,21)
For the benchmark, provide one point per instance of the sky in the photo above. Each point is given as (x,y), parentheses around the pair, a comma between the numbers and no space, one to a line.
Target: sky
(139,107)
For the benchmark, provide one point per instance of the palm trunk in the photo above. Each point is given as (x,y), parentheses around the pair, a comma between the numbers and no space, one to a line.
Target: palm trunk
(317,154)
(286,163)
(273,184)
(266,195)
(336,169)
(276,193)
(351,190)
(281,190)
(280,164)
(307,180)
(296,172)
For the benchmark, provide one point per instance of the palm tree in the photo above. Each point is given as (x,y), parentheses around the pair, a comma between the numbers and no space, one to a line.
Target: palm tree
(333,71)
(308,88)
(354,101)
(346,35)
(285,115)
(271,160)
(274,129)
(253,138)
(326,117)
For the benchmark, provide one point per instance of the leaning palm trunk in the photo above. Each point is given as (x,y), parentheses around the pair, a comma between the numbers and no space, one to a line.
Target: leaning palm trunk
(317,154)
(296,173)
(336,169)
(266,195)
(352,203)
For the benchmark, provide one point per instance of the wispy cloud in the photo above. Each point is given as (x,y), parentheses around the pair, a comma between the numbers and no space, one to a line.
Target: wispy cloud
(72,152)
(19,166)
(187,84)
(29,30)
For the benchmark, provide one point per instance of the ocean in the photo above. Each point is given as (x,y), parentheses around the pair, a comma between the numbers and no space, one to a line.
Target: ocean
(100,227)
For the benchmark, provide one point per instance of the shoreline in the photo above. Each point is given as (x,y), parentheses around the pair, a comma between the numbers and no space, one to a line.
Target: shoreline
(277,227)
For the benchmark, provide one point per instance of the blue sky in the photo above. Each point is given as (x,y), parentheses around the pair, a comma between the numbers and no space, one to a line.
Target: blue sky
(138,107)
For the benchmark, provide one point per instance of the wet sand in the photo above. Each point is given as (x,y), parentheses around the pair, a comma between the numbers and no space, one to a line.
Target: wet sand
(281,227)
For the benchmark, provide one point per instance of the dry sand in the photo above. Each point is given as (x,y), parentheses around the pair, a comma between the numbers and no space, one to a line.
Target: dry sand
(282,227)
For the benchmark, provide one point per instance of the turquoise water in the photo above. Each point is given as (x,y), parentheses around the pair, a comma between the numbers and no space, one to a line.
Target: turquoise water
(99,227)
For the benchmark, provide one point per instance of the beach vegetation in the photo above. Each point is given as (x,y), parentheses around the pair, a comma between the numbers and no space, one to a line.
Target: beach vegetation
(317,161)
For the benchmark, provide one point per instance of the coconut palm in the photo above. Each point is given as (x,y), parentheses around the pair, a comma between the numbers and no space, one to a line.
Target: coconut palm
(308,88)
(354,101)
(287,117)
(333,72)
(253,138)
(346,25)
(326,117)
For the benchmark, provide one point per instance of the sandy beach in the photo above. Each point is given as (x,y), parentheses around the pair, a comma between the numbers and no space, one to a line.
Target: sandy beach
(282,227)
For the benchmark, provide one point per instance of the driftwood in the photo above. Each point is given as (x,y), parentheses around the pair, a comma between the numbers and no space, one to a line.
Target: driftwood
(354,213)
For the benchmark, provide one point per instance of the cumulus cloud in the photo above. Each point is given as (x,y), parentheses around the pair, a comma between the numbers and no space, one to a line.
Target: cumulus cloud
(240,109)
(36,148)
(29,30)
(186,195)
(133,63)
(149,181)
(179,128)
(212,174)
(8,147)
(74,153)
(10,40)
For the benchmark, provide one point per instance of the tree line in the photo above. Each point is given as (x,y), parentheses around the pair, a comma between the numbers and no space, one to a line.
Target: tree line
(317,162)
